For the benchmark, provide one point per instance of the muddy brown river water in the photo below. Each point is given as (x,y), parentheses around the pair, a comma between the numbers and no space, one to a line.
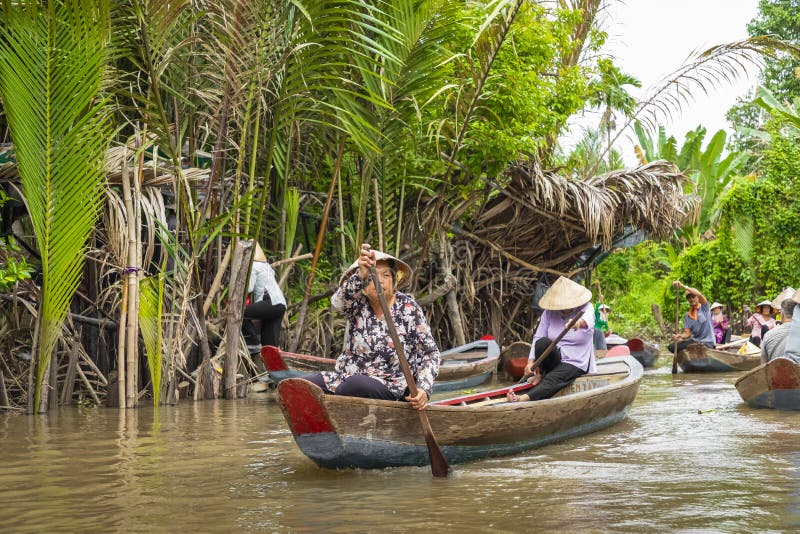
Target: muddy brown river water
(690,457)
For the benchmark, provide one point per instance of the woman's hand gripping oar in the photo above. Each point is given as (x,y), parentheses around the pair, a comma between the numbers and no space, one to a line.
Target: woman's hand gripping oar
(550,347)
(439,465)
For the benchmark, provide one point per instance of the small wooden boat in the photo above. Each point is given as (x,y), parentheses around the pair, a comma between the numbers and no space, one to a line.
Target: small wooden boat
(514,358)
(352,432)
(697,358)
(645,352)
(775,384)
(461,367)
(467,366)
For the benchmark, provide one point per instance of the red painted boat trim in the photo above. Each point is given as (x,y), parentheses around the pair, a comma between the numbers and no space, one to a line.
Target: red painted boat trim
(516,366)
(484,395)
(305,413)
(272,358)
(782,376)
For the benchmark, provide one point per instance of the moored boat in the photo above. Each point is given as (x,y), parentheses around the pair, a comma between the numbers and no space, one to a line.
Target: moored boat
(697,358)
(775,384)
(346,432)
(645,352)
(461,367)
(467,366)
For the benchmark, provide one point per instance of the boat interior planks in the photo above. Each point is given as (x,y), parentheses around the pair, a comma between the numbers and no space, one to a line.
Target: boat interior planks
(697,358)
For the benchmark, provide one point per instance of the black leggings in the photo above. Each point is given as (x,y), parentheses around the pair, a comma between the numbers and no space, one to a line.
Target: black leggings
(270,316)
(557,374)
(356,386)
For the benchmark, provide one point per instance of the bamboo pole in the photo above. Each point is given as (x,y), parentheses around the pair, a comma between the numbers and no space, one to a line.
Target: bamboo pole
(3,392)
(295,338)
(69,379)
(123,327)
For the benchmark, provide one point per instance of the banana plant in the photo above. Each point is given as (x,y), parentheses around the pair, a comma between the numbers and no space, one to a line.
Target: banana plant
(52,74)
(710,171)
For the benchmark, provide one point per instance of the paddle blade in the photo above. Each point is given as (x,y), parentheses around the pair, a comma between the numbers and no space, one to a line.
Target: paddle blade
(439,466)
(675,363)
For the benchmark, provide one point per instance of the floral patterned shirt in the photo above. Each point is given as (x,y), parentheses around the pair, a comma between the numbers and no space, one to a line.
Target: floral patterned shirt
(369,349)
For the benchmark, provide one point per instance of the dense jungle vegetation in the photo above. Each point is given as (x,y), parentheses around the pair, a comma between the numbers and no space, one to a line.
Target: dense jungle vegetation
(150,142)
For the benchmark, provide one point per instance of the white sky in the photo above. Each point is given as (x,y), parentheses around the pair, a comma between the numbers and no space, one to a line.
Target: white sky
(651,38)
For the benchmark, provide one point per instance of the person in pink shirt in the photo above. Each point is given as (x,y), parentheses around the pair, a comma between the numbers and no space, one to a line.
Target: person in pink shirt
(761,322)
(573,356)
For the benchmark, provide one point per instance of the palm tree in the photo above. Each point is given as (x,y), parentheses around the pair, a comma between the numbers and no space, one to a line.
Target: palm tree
(52,74)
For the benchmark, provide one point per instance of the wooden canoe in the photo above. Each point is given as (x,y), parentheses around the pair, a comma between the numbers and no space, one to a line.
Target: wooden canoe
(351,432)
(513,359)
(697,358)
(461,367)
(775,384)
(467,366)
(645,352)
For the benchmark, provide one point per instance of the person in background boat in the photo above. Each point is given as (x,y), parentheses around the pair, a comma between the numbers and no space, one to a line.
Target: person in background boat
(369,365)
(573,356)
(774,343)
(267,305)
(761,322)
(722,329)
(697,327)
(777,302)
(601,328)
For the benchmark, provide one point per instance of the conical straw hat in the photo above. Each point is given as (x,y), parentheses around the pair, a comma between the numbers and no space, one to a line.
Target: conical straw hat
(565,295)
(716,305)
(764,303)
(260,256)
(785,294)
(401,267)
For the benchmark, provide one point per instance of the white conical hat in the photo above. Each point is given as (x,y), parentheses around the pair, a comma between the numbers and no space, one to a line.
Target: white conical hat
(565,295)
(401,267)
(764,303)
(716,305)
(259,255)
(785,294)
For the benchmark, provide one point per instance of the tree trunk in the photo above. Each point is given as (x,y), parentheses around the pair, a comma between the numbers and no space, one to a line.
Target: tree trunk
(659,318)
(241,261)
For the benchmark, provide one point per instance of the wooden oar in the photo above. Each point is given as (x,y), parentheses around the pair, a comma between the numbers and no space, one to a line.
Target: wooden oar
(677,325)
(439,465)
(552,345)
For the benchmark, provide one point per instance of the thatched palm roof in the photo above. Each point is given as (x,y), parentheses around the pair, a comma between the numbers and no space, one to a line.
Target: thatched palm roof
(543,224)
(547,220)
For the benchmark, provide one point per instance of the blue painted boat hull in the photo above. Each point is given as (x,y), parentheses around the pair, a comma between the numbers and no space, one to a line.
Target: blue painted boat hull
(332,451)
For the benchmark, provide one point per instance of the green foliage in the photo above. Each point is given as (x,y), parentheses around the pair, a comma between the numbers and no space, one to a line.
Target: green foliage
(779,76)
(53,63)
(710,171)
(717,271)
(151,309)
(12,271)
(632,280)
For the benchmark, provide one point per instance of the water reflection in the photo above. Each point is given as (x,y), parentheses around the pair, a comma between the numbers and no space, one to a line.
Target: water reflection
(690,456)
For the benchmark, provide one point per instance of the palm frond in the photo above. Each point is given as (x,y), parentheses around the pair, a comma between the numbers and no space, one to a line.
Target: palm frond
(704,71)
(151,308)
(52,67)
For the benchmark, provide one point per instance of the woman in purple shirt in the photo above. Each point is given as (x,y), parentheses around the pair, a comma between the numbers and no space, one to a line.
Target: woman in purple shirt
(573,356)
